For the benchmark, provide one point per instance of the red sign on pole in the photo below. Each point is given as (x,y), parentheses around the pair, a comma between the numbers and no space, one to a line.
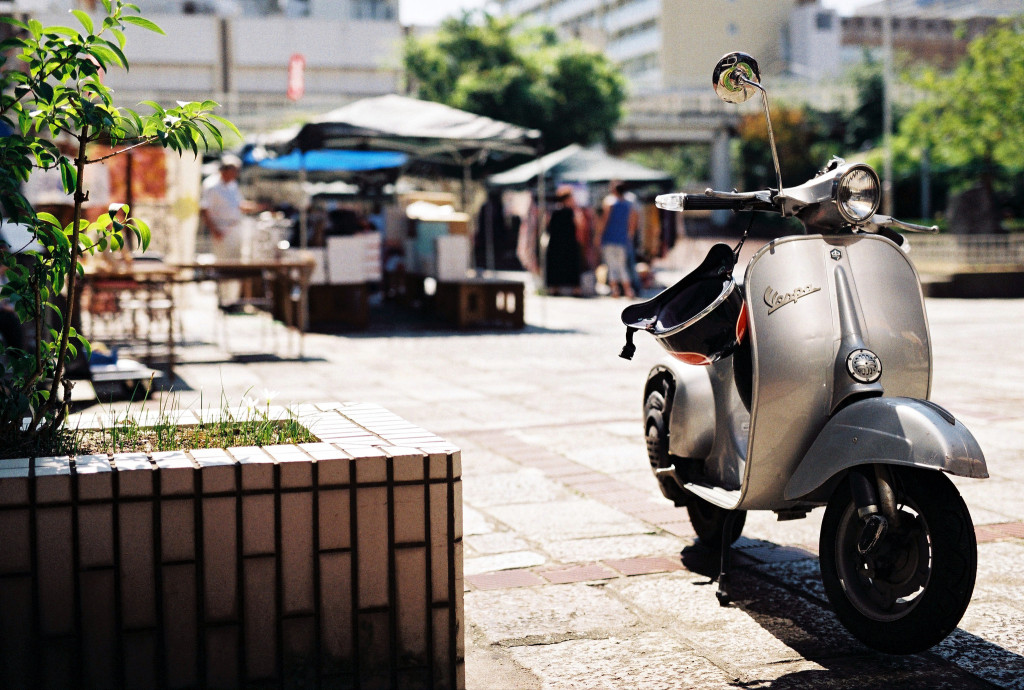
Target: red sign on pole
(296,79)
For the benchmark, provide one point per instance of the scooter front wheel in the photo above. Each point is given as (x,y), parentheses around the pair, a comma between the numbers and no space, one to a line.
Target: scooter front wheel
(910,590)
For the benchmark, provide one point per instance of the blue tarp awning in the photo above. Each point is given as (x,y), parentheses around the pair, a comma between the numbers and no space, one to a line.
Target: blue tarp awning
(335,161)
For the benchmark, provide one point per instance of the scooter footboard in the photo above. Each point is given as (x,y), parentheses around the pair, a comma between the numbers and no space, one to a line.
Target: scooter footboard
(894,431)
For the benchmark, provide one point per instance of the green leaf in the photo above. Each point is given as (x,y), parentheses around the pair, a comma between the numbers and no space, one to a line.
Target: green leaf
(35,27)
(105,56)
(45,91)
(85,19)
(62,31)
(14,22)
(106,6)
(119,52)
(68,175)
(10,44)
(155,106)
(143,23)
(142,233)
(227,123)
(119,35)
(48,218)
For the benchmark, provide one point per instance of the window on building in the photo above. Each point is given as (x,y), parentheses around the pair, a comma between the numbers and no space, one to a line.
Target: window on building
(298,8)
(823,21)
(373,9)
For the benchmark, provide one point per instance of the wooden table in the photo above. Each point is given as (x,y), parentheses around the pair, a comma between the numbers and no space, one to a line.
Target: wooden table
(149,284)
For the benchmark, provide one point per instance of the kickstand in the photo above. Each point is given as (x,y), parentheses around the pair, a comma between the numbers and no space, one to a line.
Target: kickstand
(725,548)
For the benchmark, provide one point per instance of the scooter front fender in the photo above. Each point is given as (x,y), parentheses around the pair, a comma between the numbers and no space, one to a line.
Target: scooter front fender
(692,420)
(892,431)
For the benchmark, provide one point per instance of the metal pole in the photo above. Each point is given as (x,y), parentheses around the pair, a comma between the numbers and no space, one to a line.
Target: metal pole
(489,233)
(926,183)
(887,182)
(304,203)
(542,226)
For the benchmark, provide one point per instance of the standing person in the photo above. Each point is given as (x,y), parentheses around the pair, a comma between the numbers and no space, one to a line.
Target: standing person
(562,268)
(221,209)
(615,232)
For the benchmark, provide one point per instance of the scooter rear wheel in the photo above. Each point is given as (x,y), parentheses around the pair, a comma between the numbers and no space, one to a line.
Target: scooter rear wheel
(910,592)
(708,521)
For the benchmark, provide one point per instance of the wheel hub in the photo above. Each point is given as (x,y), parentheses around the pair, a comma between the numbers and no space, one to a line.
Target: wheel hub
(884,582)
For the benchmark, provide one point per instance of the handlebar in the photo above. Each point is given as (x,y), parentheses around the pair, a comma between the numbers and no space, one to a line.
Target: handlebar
(712,200)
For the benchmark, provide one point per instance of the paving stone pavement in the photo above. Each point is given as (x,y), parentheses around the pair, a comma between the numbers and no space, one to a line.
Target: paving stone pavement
(580,575)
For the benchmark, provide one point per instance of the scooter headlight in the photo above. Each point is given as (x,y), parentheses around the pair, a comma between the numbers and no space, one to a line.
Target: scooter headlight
(857,194)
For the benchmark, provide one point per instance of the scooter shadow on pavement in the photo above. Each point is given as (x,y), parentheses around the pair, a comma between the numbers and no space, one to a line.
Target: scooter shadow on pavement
(804,621)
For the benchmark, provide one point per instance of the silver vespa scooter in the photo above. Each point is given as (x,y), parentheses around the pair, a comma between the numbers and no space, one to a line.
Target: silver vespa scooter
(814,392)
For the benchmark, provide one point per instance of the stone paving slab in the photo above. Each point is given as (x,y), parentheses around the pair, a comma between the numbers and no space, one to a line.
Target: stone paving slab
(555,470)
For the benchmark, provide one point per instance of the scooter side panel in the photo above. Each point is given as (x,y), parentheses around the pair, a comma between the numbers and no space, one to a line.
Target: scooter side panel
(797,331)
(896,431)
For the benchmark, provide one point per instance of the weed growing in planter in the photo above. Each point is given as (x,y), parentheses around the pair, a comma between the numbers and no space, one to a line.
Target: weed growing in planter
(140,431)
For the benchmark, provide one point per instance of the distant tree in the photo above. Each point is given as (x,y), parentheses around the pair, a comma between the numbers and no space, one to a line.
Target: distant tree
(972,119)
(690,165)
(801,137)
(865,121)
(493,66)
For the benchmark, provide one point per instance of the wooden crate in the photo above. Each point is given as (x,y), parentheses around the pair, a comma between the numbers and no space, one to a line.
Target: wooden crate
(334,306)
(474,302)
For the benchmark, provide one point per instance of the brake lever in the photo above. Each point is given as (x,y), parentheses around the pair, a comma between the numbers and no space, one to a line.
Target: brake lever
(890,222)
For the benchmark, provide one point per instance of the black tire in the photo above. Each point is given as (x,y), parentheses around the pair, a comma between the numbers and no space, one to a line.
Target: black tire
(708,521)
(911,591)
(656,429)
(656,416)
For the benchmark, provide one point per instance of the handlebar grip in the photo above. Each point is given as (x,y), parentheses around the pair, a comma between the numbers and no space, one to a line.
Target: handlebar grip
(699,202)
(696,202)
(715,201)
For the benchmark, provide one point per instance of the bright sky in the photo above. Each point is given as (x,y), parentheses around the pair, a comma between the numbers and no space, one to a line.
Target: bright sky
(433,11)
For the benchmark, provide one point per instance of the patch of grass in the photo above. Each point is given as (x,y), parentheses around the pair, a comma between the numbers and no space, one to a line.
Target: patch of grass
(250,424)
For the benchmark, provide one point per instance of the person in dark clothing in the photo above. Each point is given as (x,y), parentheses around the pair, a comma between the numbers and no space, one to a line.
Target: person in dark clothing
(564,264)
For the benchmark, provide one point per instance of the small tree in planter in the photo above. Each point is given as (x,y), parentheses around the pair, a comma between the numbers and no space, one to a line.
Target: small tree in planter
(51,86)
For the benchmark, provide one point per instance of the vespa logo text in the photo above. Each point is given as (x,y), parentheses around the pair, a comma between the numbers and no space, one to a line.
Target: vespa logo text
(776,301)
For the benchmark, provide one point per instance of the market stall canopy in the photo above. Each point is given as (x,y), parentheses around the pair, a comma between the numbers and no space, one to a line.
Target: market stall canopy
(335,161)
(577,164)
(425,130)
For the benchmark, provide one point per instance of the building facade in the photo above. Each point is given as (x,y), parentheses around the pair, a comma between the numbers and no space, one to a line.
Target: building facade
(932,31)
(238,52)
(667,44)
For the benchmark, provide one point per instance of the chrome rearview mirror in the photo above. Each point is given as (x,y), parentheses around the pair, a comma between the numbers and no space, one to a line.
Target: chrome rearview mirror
(736,78)
(733,76)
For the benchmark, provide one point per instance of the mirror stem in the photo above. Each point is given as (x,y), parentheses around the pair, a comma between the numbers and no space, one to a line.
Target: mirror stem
(768,120)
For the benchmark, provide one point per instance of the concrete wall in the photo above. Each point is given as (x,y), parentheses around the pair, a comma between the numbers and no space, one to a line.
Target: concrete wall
(242,62)
(695,34)
(333,563)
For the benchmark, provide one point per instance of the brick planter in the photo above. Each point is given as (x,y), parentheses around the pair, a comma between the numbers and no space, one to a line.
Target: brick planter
(334,564)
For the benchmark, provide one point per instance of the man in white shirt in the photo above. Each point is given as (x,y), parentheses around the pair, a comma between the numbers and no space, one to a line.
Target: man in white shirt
(221,209)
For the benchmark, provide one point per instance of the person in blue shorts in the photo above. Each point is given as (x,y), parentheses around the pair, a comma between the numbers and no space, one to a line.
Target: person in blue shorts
(615,232)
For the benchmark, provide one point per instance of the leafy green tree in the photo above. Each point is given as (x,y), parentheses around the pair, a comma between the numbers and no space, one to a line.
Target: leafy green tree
(50,88)
(493,66)
(865,120)
(972,120)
